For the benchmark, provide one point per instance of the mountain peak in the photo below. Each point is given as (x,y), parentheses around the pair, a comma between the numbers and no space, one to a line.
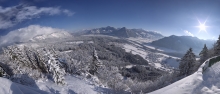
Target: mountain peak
(123,28)
(123,32)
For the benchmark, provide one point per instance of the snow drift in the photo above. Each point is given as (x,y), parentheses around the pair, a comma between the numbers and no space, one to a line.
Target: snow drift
(201,82)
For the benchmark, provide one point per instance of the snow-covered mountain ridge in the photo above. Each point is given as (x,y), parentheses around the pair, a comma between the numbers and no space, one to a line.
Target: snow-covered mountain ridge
(122,33)
(60,34)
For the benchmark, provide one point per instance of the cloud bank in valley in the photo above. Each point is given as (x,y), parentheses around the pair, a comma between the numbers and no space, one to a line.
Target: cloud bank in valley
(30,32)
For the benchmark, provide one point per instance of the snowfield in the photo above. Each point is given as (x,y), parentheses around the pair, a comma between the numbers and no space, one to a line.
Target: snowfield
(8,87)
(197,83)
(158,60)
(135,50)
(140,40)
(75,85)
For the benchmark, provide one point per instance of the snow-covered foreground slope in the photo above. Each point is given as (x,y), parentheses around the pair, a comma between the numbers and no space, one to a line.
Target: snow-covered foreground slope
(8,87)
(74,85)
(197,83)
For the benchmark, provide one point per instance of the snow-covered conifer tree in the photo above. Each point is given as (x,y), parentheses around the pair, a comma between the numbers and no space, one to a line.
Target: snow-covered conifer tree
(217,47)
(54,68)
(203,54)
(96,63)
(187,64)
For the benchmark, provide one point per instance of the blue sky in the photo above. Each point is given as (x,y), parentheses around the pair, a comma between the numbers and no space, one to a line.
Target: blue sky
(170,17)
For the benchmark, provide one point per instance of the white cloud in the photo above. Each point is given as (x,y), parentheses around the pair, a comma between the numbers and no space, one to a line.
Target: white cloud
(69,13)
(11,16)
(188,33)
(30,32)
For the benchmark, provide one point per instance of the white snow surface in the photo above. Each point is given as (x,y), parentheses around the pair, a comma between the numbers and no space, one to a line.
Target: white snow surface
(197,83)
(74,85)
(75,42)
(135,50)
(9,87)
(140,39)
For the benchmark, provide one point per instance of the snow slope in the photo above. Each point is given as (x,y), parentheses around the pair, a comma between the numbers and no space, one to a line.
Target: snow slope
(197,83)
(74,85)
(8,87)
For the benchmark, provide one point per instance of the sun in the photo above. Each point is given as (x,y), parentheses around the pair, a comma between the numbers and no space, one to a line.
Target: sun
(202,27)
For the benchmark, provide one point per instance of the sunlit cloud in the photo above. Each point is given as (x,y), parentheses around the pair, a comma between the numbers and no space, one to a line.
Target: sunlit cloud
(188,33)
(10,16)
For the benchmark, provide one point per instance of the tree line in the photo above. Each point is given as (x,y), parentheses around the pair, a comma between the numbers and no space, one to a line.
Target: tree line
(189,64)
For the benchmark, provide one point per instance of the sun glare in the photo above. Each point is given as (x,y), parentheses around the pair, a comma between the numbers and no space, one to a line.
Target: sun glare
(202,27)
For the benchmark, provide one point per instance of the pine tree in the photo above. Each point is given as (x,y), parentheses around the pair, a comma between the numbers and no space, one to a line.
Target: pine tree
(187,64)
(203,54)
(58,73)
(96,63)
(217,47)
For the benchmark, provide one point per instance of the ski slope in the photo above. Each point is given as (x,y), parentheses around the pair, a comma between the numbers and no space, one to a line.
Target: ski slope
(207,82)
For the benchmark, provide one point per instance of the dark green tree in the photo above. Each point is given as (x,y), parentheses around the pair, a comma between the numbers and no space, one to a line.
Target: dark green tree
(96,63)
(187,64)
(203,54)
(217,47)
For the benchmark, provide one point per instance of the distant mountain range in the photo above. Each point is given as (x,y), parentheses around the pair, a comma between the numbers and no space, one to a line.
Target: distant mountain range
(122,32)
(179,43)
(183,43)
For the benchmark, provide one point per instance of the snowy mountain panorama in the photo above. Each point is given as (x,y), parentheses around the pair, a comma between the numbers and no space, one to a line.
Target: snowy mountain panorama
(38,59)
(109,47)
